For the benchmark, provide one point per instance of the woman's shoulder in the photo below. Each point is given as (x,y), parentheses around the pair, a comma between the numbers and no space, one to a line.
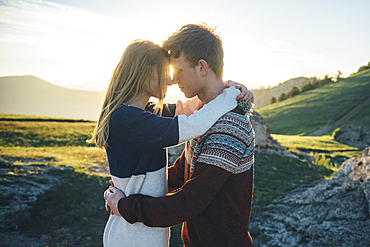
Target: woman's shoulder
(131,115)
(126,111)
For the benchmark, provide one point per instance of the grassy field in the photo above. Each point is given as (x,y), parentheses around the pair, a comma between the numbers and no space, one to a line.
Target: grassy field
(44,133)
(317,108)
(313,143)
(72,212)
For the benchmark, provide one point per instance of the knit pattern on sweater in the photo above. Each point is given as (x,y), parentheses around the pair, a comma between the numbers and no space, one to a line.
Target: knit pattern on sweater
(229,144)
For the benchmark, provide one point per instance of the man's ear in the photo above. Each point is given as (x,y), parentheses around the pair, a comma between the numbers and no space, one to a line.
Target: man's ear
(203,67)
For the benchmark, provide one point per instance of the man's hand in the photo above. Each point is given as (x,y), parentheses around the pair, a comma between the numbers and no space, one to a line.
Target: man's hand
(245,94)
(112,195)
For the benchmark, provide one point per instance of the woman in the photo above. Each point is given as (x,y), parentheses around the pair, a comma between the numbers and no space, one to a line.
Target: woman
(135,140)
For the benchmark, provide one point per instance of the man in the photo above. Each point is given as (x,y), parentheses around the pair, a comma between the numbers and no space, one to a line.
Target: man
(215,171)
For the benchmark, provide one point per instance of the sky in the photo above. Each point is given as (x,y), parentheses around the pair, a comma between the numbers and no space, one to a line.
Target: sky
(77,44)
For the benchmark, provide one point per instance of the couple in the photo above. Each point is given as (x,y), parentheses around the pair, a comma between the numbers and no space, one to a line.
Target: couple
(212,181)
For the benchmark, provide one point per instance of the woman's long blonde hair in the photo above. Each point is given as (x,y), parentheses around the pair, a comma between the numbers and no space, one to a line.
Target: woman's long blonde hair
(129,79)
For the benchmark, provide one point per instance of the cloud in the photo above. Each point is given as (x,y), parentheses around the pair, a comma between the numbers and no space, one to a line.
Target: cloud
(36,22)
(61,43)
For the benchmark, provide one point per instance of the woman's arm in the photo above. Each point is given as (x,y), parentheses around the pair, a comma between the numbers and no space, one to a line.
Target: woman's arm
(168,109)
(153,132)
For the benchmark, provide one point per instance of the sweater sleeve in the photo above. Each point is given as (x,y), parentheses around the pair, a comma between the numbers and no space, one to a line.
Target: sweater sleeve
(173,209)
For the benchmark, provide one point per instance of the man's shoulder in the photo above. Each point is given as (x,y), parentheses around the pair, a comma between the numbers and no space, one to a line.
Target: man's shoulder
(234,118)
(229,144)
(234,125)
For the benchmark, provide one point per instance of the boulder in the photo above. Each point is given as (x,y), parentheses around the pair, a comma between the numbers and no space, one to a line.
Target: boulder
(263,139)
(366,152)
(353,136)
(333,213)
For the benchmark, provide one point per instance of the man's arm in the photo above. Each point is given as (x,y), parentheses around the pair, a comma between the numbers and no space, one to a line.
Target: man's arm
(170,210)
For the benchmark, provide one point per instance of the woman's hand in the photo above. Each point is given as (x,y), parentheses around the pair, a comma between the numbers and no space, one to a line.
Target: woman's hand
(245,94)
(112,195)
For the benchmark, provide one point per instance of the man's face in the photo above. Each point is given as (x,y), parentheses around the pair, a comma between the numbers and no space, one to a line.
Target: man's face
(185,76)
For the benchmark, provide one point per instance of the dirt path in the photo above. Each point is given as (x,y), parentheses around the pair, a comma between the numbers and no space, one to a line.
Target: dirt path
(343,119)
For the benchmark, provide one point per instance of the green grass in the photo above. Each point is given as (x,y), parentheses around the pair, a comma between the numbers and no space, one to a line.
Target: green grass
(323,149)
(44,134)
(274,175)
(360,118)
(312,110)
(17,117)
(72,213)
(313,143)
(80,158)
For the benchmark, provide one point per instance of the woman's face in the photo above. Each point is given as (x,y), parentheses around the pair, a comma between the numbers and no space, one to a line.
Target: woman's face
(153,88)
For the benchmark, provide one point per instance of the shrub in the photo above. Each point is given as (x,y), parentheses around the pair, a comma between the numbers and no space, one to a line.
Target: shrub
(282,97)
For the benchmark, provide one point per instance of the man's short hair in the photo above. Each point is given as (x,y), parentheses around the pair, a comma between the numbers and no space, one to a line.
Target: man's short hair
(197,41)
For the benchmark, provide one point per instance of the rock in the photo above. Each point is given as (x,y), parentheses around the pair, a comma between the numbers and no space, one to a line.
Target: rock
(333,213)
(263,139)
(366,152)
(353,136)
(19,187)
(264,143)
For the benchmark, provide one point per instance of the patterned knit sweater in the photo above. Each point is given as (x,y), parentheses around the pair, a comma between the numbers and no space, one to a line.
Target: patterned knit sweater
(138,161)
(215,174)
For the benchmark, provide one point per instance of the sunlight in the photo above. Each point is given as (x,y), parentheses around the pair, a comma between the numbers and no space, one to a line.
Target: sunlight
(171,72)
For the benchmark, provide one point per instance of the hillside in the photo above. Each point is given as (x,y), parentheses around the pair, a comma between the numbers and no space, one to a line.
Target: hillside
(312,110)
(30,95)
(263,96)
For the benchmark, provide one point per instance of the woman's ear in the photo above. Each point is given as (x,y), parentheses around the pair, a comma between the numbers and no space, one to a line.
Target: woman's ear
(203,67)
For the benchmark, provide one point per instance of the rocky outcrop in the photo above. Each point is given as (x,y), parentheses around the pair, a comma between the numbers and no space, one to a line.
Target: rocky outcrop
(263,139)
(333,213)
(353,136)
(264,143)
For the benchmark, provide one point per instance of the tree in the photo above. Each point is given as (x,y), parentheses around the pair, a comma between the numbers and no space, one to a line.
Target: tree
(273,100)
(282,97)
(326,80)
(362,68)
(295,91)
(338,76)
(307,87)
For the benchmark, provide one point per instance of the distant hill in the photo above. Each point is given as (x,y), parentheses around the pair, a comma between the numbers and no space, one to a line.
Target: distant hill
(315,109)
(30,95)
(263,96)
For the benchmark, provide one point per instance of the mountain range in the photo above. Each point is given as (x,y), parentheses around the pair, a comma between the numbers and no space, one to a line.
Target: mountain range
(30,95)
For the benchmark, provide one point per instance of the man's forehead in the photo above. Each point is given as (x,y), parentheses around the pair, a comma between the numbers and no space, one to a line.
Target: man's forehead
(181,60)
